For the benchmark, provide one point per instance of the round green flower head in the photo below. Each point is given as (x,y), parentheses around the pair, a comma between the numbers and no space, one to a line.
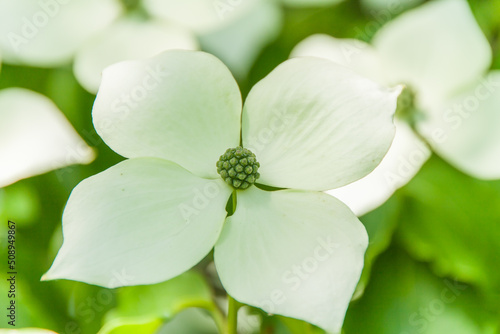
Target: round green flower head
(238,167)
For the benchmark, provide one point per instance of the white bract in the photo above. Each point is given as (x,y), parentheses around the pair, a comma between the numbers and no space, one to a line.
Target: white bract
(48,33)
(439,51)
(26,331)
(236,31)
(35,137)
(313,126)
(205,16)
(98,33)
(127,38)
(93,33)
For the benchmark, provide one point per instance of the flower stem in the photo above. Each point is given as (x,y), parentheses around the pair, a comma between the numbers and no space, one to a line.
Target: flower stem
(232,316)
(218,318)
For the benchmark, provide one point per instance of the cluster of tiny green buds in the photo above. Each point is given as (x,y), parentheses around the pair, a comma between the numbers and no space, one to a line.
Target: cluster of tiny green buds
(238,167)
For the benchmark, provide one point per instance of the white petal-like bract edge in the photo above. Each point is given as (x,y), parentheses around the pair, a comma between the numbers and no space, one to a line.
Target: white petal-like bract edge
(202,16)
(183,106)
(26,331)
(317,125)
(437,48)
(35,137)
(405,158)
(355,54)
(48,33)
(127,39)
(293,253)
(465,129)
(143,221)
(239,43)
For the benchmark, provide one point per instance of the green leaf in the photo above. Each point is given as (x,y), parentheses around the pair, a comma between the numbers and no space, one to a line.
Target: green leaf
(187,322)
(451,220)
(284,325)
(87,304)
(166,299)
(404,297)
(295,326)
(380,225)
(486,13)
(131,326)
(143,309)
(29,311)
(190,321)
(19,202)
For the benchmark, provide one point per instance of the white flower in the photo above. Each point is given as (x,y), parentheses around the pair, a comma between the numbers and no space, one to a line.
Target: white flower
(233,30)
(439,51)
(205,16)
(96,33)
(313,125)
(127,38)
(48,33)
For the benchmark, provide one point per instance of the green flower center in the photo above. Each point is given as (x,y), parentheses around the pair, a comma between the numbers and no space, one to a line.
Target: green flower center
(238,167)
(407,110)
(130,4)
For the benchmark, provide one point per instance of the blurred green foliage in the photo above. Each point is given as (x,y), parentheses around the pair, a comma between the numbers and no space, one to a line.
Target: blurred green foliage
(405,297)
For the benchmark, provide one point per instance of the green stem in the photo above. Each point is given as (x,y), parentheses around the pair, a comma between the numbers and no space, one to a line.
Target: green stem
(218,317)
(231,325)
(232,316)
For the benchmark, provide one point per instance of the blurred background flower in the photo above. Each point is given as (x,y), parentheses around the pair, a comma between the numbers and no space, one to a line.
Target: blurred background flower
(35,137)
(450,103)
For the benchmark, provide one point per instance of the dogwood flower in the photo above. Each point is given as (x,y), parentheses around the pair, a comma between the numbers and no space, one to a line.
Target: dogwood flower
(309,126)
(93,33)
(235,31)
(129,37)
(451,103)
(205,15)
(35,137)
(98,33)
(48,33)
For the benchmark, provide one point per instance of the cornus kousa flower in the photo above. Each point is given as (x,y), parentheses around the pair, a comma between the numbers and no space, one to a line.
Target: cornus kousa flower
(94,34)
(450,102)
(234,30)
(309,126)
(90,33)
